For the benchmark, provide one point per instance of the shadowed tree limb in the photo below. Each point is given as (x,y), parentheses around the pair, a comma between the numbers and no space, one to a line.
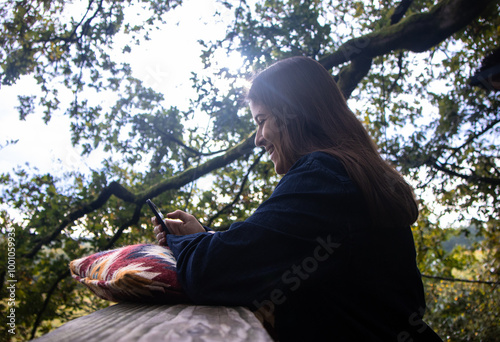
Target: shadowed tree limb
(417,33)
(49,294)
(400,11)
(193,173)
(351,75)
(472,177)
(179,142)
(174,182)
(474,136)
(114,188)
(487,282)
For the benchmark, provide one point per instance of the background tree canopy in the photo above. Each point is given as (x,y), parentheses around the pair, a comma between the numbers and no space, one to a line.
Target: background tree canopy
(422,75)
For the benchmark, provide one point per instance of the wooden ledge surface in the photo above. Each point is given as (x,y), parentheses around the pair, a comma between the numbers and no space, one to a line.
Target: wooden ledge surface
(134,322)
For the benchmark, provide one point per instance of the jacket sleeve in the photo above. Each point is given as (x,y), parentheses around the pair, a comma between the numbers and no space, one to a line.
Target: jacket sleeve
(303,223)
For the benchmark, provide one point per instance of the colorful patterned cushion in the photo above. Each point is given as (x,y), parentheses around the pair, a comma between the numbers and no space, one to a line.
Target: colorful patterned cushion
(142,272)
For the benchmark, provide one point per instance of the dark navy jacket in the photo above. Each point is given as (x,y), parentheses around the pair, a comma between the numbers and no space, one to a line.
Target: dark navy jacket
(310,256)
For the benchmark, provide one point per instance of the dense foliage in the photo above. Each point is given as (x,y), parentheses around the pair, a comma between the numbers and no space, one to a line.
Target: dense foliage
(415,72)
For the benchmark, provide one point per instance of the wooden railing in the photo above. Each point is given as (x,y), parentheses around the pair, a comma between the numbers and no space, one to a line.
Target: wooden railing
(134,322)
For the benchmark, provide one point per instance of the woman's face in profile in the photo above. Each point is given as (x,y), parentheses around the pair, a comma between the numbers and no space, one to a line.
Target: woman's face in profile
(268,136)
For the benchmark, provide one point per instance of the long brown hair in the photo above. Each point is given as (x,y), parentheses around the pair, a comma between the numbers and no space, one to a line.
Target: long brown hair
(313,115)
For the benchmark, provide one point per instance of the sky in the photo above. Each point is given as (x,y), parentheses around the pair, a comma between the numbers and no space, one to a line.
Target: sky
(164,63)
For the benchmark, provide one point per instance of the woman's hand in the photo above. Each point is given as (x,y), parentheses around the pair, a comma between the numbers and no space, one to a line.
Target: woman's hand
(179,223)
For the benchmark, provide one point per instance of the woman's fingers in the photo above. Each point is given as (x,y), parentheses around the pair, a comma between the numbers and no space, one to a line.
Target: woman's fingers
(182,223)
(179,215)
(161,238)
(158,229)
(176,226)
(178,223)
(155,222)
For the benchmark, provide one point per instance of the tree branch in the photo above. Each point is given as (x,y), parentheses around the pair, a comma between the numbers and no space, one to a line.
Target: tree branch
(46,302)
(462,280)
(174,182)
(179,142)
(400,11)
(114,188)
(351,75)
(469,178)
(417,33)
(474,136)
(193,173)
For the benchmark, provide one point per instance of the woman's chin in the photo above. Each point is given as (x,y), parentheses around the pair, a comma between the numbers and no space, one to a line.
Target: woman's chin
(280,170)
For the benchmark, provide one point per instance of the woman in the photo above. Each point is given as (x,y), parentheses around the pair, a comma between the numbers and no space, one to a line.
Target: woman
(330,254)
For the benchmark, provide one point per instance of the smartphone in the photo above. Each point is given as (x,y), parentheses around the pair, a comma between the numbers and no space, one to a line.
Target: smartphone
(159,215)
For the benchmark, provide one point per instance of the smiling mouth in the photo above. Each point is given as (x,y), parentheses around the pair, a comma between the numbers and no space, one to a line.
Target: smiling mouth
(270,150)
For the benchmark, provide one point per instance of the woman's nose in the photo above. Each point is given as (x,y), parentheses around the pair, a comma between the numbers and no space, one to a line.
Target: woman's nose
(259,139)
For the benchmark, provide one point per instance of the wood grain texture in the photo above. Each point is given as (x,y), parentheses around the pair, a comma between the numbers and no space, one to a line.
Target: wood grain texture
(133,322)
